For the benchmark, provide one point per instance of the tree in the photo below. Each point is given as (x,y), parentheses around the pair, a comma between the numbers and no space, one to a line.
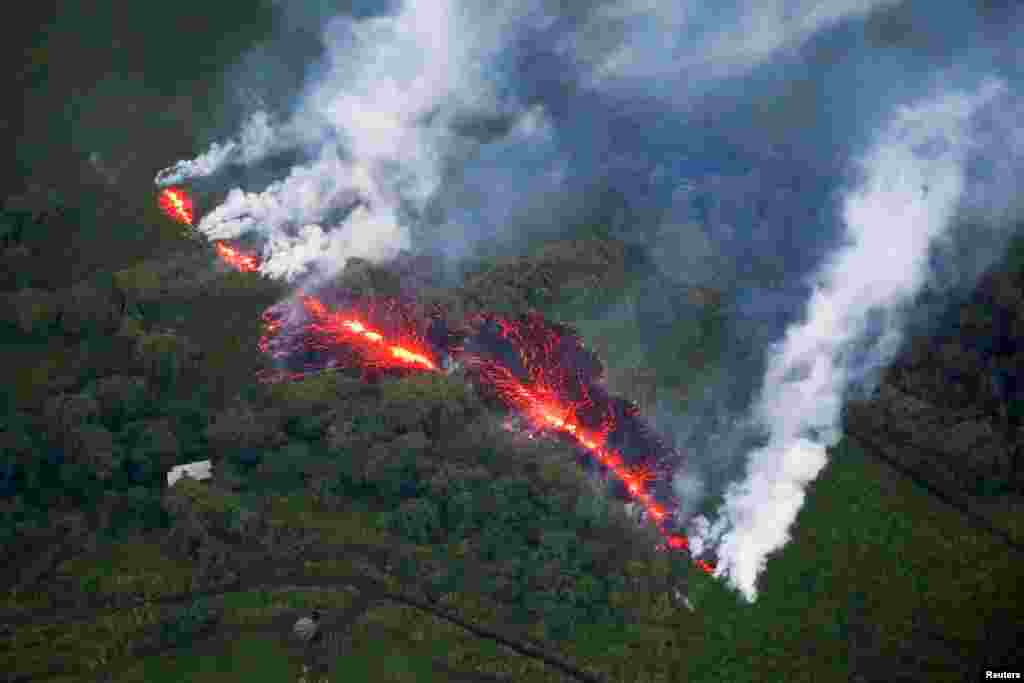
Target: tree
(417,520)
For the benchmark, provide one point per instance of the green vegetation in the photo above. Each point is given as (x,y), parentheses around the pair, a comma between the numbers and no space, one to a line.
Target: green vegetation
(317,390)
(140,282)
(188,624)
(405,490)
(425,392)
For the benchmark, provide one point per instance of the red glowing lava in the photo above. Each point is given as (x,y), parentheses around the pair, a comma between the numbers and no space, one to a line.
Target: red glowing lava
(247,263)
(540,370)
(177,205)
(376,351)
(547,412)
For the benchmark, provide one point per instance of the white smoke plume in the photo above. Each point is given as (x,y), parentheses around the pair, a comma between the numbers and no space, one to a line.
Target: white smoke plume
(914,180)
(376,122)
(488,125)
(688,42)
(376,126)
(258,140)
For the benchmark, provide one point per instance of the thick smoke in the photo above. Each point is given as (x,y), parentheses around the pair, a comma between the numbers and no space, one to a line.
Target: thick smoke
(257,141)
(378,125)
(688,45)
(914,182)
(716,139)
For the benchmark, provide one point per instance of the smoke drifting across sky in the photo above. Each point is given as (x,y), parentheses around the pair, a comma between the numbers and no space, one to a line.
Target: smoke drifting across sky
(814,162)
(914,183)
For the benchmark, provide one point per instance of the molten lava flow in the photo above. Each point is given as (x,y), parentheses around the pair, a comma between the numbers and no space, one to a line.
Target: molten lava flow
(247,263)
(540,370)
(347,328)
(555,391)
(177,205)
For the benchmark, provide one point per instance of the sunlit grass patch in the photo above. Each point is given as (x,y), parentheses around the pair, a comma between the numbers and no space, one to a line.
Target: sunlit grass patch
(425,637)
(87,646)
(259,606)
(136,566)
(424,390)
(251,658)
(352,525)
(320,388)
(25,599)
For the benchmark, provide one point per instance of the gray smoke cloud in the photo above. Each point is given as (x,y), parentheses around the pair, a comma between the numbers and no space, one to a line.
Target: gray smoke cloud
(914,182)
(811,165)
(377,126)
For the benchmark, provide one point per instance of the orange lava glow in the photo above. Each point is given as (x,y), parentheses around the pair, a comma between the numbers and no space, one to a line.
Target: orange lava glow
(548,393)
(247,263)
(177,205)
(346,329)
(546,412)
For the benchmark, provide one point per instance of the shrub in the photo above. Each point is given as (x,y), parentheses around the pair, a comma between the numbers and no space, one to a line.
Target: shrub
(88,308)
(308,427)
(164,356)
(460,515)
(591,510)
(417,520)
(136,469)
(188,624)
(286,468)
(66,412)
(121,399)
(560,620)
(139,509)
(370,426)
(245,457)
(313,392)
(556,545)
(140,282)
(32,310)
(236,282)
(10,478)
(426,390)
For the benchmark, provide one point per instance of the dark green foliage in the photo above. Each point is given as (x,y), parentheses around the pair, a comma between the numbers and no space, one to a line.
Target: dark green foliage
(487,455)
(448,579)
(12,226)
(121,400)
(459,513)
(399,479)
(499,543)
(308,427)
(136,469)
(188,624)
(591,511)
(245,458)
(417,520)
(1014,259)
(11,476)
(557,546)
(285,469)
(79,483)
(560,620)
(142,508)
(370,426)
(21,517)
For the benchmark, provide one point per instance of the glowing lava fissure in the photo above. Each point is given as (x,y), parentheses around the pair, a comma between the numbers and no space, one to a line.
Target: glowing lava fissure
(177,205)
(544,372)
(536,368)
(373,335)
(237,259)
